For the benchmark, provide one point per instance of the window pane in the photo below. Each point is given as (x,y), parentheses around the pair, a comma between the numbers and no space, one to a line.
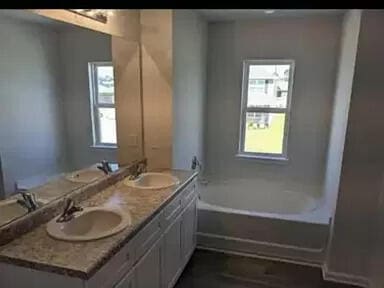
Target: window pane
(105,85)
(268,85)
(107,125)
(264,132)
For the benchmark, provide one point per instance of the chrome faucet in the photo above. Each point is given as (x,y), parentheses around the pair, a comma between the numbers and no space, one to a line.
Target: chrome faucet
(195,163)
(138,169)
(29,201)
(105,167)
(69,210)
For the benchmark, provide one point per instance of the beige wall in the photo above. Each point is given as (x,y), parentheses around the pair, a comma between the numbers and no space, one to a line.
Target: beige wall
(156,49)
(126,62)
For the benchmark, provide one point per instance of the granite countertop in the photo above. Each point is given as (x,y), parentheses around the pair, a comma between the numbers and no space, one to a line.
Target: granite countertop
(38,250)
(59,185)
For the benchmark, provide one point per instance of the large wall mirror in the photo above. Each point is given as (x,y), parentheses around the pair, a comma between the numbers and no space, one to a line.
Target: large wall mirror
(57,110)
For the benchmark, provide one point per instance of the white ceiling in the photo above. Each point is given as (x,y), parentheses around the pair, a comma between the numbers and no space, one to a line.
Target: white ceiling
(239,14)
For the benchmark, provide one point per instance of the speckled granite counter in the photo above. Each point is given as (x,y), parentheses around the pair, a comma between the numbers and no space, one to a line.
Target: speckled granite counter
(39,251)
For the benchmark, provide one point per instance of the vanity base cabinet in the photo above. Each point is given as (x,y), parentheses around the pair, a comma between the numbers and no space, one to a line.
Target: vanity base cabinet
(147,272)
(174,229)
(12,276)
(128,281)
(188,230)
(172,253)
(180,238)
(154,258)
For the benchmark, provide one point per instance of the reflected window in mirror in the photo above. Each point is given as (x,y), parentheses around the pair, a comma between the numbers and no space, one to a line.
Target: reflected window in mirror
(103,110)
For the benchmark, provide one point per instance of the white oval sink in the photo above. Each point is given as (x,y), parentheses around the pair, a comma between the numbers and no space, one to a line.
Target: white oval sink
(90,224)
(10,210)
(153,181)
(84,176)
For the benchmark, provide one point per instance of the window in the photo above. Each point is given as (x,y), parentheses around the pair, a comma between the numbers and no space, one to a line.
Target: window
(103,111)
(265,108)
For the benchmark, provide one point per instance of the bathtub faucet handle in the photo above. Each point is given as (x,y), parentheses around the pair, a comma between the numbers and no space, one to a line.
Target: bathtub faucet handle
(195,163)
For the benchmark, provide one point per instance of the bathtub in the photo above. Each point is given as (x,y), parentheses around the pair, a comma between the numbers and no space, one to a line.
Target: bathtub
(263,218)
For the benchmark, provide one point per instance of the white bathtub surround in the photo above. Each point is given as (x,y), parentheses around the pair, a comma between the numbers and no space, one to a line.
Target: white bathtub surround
(263,218)
(266,198)
(260,195)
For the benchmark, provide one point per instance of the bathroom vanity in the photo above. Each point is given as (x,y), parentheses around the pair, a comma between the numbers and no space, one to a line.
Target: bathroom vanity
(151,252)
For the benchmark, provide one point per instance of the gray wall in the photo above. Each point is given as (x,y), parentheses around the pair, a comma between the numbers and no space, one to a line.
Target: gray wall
(363,160)
(189,88)
(78,47)
(45,124)
(350,35)
(314,44)
(31,130)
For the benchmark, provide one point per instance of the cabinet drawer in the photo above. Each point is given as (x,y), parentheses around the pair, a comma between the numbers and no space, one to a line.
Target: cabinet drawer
(127,281)
(189,193)
(114,269)
(171,211)
(147,237)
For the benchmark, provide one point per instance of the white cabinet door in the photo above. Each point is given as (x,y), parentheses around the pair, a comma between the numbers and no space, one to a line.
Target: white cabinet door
(127,281)
(188,228)
(148,269)
(172,253)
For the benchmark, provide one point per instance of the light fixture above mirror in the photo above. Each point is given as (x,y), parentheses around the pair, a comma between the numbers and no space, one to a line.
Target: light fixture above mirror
(100,15)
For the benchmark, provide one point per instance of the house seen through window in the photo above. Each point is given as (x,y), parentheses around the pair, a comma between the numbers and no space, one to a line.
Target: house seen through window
(103,109)
(265,110)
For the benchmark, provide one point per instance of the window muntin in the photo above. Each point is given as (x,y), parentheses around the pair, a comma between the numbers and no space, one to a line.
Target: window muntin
(103,110)
(265,111)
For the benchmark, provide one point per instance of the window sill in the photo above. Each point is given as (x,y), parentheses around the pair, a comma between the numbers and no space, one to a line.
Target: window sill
(104,146)
(264,158)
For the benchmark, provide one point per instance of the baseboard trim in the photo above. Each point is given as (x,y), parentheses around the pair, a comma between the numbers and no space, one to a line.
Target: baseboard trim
(262,243)
(345,278)
(299,255)
(259,256)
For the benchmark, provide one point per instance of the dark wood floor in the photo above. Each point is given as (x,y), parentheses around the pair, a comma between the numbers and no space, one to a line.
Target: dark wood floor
(216,270)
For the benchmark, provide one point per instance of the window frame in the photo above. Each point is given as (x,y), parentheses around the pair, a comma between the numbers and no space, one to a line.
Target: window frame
(95,105)
(244,109)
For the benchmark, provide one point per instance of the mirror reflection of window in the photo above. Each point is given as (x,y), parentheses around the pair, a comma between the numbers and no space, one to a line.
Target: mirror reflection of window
(103,104)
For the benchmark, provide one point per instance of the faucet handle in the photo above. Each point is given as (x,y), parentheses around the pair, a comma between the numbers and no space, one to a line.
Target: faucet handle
(107,166)
(137,169)
(29,200)
(195,163)
(141,168)
(32,197)
(69,210)
(24,194)
(68,204)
